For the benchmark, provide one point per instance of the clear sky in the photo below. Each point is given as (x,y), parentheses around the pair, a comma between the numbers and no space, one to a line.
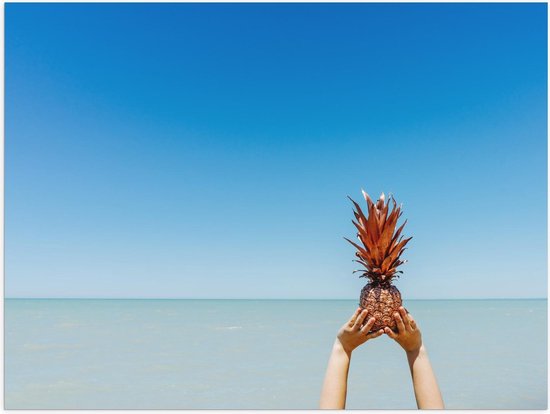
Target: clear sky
(206,151)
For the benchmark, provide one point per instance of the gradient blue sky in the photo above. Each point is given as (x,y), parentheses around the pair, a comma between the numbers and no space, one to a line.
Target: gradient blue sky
(206,151)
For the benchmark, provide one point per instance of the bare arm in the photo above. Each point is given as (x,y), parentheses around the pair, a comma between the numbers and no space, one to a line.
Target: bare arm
(335,386)
(426,390)
(350,336)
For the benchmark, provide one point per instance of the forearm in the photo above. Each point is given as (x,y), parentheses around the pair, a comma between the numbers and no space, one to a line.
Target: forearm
(335,385)
(426,390)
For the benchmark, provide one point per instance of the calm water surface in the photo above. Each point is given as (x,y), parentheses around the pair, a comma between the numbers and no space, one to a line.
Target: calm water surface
(262,354)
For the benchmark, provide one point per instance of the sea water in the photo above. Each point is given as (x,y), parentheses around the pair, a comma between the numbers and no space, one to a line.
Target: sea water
(262,354)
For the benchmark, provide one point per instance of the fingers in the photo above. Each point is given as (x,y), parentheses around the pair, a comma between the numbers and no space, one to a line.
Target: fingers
(353,318)
(390,333)
(405,316)
(400,323)
(375,334)
(368,326)
(359,320)
(412,322)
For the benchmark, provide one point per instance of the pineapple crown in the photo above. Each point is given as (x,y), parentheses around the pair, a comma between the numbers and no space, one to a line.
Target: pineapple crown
(382,244)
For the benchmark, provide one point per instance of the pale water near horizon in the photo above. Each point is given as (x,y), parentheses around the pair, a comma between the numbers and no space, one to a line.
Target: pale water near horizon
(262,354)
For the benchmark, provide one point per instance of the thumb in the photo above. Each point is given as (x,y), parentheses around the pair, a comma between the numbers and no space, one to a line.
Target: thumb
(390,333)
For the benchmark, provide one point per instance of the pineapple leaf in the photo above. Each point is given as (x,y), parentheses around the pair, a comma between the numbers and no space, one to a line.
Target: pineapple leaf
(383,245)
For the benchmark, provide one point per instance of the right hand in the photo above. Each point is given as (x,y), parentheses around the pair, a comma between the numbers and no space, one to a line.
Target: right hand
(408,335)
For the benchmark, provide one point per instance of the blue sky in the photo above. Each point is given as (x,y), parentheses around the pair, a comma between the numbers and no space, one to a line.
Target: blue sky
(206,150)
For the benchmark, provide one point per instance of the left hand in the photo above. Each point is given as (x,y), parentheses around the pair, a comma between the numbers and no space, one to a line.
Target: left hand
(351,335)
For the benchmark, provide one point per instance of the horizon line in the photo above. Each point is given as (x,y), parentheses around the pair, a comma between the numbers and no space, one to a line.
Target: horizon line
(312,299)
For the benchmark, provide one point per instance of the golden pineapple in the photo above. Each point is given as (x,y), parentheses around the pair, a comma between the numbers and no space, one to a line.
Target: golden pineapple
(380,255)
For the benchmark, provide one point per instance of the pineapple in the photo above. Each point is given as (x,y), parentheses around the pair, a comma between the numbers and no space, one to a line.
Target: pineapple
(380,256)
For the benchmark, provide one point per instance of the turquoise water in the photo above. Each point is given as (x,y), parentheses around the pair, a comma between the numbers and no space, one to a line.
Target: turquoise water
(262,354)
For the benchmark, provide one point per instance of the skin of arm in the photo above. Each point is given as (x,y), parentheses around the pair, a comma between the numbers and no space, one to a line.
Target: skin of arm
(426,390)
(350,336)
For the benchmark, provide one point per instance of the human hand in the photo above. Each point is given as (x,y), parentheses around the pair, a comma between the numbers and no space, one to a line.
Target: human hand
(408,335)
(351,335)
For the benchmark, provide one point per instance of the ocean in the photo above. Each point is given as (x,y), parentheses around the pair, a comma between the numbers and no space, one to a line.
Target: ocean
(262,354)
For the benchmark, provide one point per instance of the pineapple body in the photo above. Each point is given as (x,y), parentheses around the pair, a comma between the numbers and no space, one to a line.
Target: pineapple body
(381,301)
